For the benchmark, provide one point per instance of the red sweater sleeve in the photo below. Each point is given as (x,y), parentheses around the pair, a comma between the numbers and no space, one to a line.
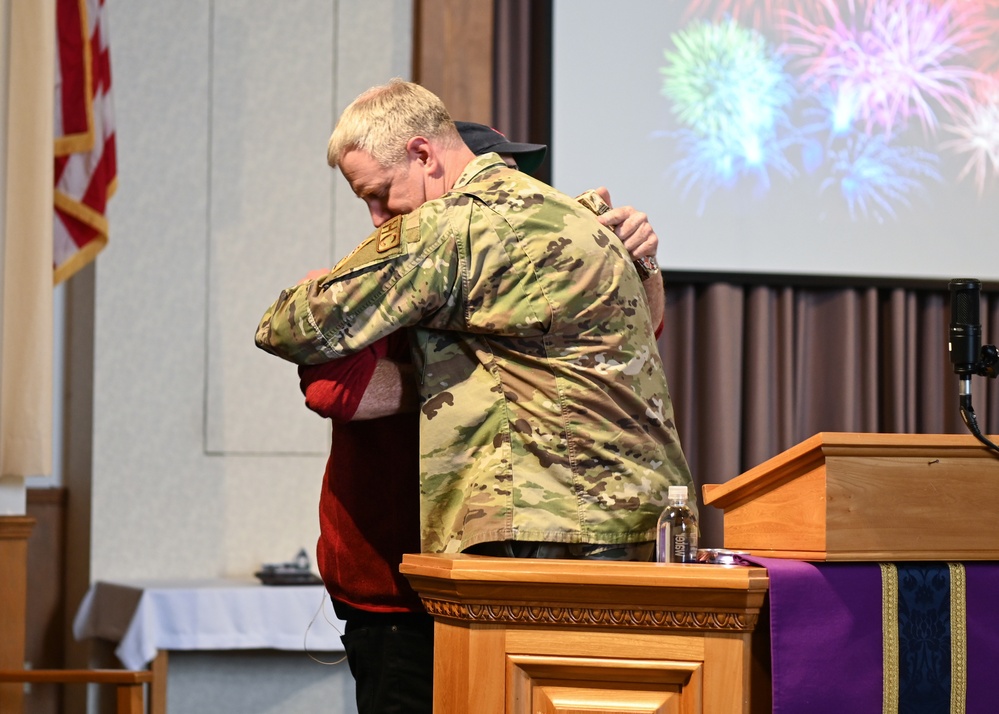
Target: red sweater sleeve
(334,389)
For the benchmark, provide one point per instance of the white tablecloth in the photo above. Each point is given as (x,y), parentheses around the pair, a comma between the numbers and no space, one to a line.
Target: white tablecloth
(220,614)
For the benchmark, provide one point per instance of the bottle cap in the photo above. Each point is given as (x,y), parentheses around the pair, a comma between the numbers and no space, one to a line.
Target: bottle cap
(677,492)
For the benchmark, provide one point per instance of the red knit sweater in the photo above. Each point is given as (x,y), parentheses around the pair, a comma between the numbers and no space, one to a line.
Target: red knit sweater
(369,509)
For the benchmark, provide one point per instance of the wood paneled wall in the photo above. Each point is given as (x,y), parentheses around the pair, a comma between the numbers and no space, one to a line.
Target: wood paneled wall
(453,55)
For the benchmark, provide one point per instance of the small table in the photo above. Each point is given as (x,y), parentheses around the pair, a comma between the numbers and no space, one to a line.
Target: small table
(149,617)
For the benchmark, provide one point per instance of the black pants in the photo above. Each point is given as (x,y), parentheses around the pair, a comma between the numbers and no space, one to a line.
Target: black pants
(391,656)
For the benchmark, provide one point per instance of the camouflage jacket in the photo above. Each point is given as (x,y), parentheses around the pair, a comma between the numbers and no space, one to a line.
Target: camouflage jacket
(545,413)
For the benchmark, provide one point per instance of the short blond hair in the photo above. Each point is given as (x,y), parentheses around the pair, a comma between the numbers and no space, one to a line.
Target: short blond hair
(383,119)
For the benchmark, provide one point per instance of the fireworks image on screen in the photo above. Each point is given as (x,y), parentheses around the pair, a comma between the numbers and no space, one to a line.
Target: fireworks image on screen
(874,177)
(874,94)
(728,92)
(902,61)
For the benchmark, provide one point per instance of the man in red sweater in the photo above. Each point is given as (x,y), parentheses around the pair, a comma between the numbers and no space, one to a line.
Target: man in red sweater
(369,515)
(369,508)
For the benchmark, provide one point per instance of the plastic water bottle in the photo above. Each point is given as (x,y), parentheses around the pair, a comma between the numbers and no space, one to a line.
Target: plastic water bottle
(676,532)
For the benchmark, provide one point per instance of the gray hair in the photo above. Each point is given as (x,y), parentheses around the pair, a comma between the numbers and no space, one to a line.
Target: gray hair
(383,119)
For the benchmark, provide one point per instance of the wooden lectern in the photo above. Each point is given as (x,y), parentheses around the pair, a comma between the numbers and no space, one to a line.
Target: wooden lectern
(523,636)
(867,497)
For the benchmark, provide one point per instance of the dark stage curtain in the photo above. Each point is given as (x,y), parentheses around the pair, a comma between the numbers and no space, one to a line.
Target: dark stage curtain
(754,366)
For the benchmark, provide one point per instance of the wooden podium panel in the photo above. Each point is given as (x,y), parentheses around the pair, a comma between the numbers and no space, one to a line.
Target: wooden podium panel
(521,636)
(878,497)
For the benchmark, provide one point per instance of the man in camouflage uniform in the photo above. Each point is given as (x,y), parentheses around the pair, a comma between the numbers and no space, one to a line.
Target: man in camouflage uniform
(545,414)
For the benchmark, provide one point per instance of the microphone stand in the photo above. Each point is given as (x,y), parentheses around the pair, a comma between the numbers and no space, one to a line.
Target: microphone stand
(987,366)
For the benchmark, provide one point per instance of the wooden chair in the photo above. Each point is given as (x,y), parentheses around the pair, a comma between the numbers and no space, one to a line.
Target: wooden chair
(128,683)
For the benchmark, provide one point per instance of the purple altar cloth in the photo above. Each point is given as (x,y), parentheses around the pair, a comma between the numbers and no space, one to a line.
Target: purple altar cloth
(826,636)
(983,636)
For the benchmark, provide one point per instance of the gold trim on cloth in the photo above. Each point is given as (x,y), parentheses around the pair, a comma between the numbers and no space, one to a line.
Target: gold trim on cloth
(889,637)
(958,638)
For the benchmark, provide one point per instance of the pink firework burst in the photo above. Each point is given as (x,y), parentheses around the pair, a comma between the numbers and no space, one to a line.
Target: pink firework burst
(898,60)
(976,133)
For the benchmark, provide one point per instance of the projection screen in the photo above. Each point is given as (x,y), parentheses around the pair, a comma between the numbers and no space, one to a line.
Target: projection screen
(798,137)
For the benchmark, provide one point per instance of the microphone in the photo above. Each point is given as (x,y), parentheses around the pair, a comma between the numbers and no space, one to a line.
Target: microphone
(965,326)
(966,353)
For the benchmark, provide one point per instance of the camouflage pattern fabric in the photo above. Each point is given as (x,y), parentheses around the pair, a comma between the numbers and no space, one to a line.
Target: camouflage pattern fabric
(545,414)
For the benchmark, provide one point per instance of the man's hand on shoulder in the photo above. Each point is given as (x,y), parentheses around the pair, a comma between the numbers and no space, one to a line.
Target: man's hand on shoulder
(635,231)
(631,226)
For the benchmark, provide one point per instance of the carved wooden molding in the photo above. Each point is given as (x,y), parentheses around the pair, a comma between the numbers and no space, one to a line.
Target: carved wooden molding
(685,620)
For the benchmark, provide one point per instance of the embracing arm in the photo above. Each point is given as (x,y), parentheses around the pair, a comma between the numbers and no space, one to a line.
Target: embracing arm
(635,231)
(402,272)
(372,383)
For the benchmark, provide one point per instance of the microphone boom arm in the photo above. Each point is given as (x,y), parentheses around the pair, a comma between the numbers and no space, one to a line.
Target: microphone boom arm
(987,366)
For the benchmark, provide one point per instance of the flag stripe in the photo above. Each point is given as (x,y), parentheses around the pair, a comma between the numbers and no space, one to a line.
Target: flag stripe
(74,79)
(85,155)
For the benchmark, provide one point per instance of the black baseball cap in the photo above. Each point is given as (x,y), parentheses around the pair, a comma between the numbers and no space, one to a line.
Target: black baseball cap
(482,139)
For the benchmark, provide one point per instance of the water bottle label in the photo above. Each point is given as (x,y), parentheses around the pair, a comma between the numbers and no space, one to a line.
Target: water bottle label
(679,546)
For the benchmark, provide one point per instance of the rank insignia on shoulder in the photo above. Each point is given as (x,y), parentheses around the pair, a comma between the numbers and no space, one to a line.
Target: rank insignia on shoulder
(389,234)
(592,200)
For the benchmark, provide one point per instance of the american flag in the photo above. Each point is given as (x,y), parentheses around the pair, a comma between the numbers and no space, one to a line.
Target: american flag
(85,160)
